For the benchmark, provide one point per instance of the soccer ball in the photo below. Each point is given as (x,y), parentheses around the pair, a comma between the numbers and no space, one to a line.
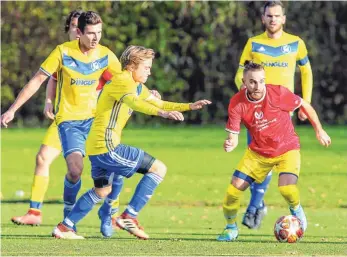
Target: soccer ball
(288,229)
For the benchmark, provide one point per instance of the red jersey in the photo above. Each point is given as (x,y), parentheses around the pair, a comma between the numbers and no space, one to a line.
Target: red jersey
(268,120)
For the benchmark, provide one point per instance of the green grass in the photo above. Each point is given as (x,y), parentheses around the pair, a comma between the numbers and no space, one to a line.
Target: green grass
(184,216)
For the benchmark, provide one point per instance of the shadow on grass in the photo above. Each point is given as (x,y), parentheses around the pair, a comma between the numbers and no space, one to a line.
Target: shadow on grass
(178,240)
(12,225)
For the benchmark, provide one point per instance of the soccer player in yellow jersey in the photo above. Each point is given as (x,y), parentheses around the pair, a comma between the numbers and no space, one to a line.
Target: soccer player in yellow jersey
(279,53)
(50,147)
(79,65)
(109,157)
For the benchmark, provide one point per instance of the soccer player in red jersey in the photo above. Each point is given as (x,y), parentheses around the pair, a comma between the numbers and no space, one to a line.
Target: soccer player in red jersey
(265,111)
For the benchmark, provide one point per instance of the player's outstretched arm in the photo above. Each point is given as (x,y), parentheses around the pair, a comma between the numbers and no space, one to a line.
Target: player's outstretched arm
(199,104)
(155,93)
(173,106)
(231,142)
(321,135)
(28,91)
(140,105)
(48,111)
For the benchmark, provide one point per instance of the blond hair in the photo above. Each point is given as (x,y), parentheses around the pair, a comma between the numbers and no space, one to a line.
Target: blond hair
(133,55)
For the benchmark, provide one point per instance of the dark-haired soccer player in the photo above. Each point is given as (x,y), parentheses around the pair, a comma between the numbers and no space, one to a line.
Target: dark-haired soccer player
(79,64)
(279,53)
(265,111)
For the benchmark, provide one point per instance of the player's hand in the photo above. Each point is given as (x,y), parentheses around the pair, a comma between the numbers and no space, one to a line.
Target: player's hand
(6,118)
(48,110)
(301,115)
(172,115)
(155,93)
(323,137)
(199,104)
(228,145)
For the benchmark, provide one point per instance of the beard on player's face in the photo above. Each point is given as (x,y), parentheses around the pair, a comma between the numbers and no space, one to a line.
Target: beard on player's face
(273,28)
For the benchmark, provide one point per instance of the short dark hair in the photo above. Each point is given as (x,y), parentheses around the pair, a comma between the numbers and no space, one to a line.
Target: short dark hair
(88,18)
(72,15)
(252,66)
(272,4)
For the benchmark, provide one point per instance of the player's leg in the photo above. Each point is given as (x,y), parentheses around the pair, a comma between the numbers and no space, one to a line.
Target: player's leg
(231,204)
(289,170)
(252,167)
(73,135)
(256,209)
(103,177)
(153,174)
(49,151)
(124,161)
(111,203)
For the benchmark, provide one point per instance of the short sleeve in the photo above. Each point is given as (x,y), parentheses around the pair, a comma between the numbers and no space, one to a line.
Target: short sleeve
(52,63)
(289,101)
(234,116)
(54,76)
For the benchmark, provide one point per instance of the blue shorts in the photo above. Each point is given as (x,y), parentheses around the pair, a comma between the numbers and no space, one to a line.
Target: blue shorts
(124,160)
(73,135)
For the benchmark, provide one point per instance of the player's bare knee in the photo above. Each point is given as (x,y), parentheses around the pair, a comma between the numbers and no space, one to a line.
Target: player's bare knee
(75,166)
(40,159)
(285,179)
(239,183)
(104,191)
(159,168)
(46,155)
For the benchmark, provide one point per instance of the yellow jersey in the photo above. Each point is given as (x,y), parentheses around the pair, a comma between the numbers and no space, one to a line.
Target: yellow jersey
(279,58)
(115,105)
(77,78)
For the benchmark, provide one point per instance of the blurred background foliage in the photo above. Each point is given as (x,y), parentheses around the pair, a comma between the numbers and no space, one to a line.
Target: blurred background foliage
(198,45)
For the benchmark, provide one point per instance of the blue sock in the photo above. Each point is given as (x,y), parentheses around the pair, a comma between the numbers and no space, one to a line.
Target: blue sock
(231,226)
(70,194)
(258,191)
(143,193)
(82,207)
(117,185)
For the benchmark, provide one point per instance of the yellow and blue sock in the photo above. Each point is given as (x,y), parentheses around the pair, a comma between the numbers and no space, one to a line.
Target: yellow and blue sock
(38,191)
(143,193)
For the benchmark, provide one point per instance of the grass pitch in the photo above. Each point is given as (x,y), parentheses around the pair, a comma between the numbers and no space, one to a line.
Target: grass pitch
(184,216)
